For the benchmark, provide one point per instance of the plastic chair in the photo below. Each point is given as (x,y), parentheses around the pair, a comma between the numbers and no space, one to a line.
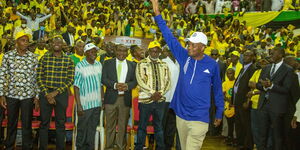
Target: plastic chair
(100,132)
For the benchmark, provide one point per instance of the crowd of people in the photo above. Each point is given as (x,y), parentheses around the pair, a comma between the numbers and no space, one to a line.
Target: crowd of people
(198,74)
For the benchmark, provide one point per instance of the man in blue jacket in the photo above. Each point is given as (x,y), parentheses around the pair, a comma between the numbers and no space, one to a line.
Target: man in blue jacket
(198,74)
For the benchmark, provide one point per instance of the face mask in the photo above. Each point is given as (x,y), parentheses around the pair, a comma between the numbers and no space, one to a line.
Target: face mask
(23,25)
(42,28)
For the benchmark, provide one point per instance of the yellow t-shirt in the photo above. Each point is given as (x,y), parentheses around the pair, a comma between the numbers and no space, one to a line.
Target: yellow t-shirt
(138,30)
(228,88)
(207,50)
(288,51)
(9,26)
(221,47)
(40,53)
(1,30)
(255,98)
(148,34)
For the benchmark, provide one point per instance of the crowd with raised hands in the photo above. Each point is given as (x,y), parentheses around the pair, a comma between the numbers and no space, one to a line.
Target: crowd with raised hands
(201,73)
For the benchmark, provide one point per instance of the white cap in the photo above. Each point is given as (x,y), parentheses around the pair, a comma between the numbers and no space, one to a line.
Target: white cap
(198,37)
(90,46)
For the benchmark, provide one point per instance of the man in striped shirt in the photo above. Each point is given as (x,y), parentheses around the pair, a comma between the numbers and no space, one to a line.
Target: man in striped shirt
(87,86)
(55,75)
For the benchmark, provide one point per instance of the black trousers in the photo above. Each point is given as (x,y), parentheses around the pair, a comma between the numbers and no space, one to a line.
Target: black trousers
(294,138)
(13,107)
(2,115)
(275,121)
(230,124)
(86,128)
(60,119)
(243,127)
(169,125)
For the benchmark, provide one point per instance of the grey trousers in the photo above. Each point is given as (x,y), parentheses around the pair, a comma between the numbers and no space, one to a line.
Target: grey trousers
(86,129)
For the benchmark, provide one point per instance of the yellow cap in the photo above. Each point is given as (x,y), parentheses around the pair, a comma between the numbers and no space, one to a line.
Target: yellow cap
(290,42)
(263,41)
(57,36)
(236,53)
(154,44)
(21,34)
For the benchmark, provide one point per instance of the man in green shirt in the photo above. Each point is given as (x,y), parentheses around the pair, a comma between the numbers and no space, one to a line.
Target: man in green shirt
(78,56)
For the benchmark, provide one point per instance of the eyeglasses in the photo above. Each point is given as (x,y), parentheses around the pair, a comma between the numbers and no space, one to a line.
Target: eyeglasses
(214,54)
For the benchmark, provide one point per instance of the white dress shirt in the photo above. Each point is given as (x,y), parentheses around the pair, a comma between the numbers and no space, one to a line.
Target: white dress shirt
(297,113)
(174,72)
(277,66)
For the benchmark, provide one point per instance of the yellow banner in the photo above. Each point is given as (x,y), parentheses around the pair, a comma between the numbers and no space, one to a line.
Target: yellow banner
(256,19)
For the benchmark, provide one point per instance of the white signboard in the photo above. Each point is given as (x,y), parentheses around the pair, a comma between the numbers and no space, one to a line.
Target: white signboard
(128,41)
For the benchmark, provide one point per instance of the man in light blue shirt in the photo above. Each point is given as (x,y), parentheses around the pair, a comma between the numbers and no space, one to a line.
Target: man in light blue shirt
(87,86)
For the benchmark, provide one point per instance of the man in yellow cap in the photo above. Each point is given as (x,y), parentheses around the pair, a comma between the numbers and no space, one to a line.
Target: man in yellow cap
(19,90)
(153,77)
(235,64)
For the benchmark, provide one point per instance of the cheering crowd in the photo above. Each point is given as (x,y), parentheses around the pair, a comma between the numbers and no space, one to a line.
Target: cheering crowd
(198,75)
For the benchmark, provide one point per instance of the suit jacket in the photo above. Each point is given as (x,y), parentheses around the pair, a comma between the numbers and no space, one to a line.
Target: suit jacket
(241,95)
(109,78)
(294,95)
(222,67)
(278,99)
(36,35)
(67,38)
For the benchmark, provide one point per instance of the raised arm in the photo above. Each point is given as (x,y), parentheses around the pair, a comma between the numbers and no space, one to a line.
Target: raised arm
(23,17)
(178,51)
(66,17)
(44,18)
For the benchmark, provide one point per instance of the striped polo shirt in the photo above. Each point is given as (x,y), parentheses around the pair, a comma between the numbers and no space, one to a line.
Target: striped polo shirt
(88,80)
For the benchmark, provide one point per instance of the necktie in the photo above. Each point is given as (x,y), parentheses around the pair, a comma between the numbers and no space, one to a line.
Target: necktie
(240,75)
(119,70)
(273,70)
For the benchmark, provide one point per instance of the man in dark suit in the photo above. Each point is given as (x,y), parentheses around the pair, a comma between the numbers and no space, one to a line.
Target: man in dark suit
(275,84)
(69,36)
(119,79)
(242,113)
(289,137)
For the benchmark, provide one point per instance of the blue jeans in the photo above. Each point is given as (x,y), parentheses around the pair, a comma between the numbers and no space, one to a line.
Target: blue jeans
(157,111)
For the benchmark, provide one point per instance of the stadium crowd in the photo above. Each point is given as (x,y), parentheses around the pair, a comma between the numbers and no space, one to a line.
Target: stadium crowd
(51,50)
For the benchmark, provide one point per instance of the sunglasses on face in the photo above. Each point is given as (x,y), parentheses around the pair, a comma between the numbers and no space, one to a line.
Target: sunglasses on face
(214,54)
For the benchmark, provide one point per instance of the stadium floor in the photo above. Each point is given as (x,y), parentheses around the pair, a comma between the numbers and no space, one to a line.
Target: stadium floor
(210,143)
